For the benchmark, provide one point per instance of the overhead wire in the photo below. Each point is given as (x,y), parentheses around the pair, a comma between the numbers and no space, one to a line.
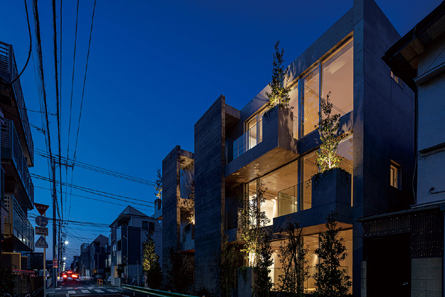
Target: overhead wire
(30,46)
(101,170)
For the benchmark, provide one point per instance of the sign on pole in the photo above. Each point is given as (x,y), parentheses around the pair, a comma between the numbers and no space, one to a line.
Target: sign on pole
(41,208)
(55,263)
(41,243)
(41,231)
(41,221)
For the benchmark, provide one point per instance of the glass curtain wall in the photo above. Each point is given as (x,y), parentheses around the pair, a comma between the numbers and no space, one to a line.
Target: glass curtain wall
(311,83)
(338,79)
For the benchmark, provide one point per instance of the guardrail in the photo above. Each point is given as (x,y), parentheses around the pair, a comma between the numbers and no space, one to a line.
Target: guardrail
(17,223)
(153,292)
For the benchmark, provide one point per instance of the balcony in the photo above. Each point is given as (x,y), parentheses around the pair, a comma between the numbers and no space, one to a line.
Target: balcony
(311,201)
(16,167)
(188,238)
(13,99)
(19,232)
(268,145)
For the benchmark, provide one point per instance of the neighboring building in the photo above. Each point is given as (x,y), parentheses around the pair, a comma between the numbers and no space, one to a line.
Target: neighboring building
(404,250)
(98,255)
(75,264)
(128,232)
(17,155)
(237,149)
(84,260)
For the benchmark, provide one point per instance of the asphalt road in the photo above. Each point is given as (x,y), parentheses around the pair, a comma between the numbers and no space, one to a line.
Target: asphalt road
(85,288)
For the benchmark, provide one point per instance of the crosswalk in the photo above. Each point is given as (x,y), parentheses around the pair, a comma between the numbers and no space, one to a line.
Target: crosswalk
(87,290)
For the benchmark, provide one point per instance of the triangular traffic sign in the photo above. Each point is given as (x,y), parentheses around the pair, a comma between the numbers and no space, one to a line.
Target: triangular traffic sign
(41,243)
(41,208)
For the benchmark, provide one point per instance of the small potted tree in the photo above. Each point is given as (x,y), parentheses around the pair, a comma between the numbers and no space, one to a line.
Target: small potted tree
(331,182)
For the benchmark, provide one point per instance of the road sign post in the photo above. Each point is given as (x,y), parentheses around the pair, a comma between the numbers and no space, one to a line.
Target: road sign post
(42,221)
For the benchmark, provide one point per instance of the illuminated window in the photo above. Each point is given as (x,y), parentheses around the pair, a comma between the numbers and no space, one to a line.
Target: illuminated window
(394,175)
(311,101)
(338,79)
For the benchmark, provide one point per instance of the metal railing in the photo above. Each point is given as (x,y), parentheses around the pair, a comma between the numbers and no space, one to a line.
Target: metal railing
(10,140)
(248,140)
(8,71)
(288,198)
(17,221)
(153,292)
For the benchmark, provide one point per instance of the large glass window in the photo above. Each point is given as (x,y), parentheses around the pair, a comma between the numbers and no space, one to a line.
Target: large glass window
(293,105)
(311,100)
(338,79)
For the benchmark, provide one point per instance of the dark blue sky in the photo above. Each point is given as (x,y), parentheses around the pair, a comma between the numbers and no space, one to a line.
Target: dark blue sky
(154,69)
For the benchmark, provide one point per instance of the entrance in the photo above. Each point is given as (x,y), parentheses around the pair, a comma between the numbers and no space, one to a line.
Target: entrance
(388,266)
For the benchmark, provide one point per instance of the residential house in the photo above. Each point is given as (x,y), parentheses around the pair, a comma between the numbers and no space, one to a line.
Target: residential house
(128,233)
(404,249)
(98,255)
(17,155)
(84,260)
(237,151)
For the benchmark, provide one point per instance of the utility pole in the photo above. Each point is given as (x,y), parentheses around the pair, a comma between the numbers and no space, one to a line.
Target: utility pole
(54,233)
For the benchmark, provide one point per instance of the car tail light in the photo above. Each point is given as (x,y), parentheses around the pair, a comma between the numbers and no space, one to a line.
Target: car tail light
(64,276)
(75,276)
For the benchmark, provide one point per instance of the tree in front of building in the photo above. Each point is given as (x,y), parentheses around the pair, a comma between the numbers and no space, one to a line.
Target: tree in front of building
(328,126)
(227,264)
(331,279)
(294,262)
(150,263)
(256,249)
(158,186)
(179,272)
(279,93)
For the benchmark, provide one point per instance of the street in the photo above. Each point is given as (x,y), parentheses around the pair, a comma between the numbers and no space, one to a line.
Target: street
(85,288)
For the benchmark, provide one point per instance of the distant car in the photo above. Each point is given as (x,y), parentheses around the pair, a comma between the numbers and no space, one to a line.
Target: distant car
(69,275)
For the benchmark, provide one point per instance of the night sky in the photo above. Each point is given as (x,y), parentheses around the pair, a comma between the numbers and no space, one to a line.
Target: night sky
(154,68)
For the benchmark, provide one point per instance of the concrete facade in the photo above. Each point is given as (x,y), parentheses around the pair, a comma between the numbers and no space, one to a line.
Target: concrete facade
(379,126)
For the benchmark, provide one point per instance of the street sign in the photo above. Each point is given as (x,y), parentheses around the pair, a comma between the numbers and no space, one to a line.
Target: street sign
(41,208)
(41,243)
(41,231)
(55,263)
(41,221)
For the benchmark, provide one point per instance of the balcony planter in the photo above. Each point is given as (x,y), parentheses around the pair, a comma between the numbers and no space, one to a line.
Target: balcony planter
(331,186)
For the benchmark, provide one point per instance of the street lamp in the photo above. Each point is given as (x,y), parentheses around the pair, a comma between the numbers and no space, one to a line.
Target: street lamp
(66,242)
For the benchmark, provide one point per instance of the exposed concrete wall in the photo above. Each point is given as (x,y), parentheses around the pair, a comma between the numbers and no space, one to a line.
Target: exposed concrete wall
(170,211)
(431,112)
(426,277)
(383,123)
(209,192)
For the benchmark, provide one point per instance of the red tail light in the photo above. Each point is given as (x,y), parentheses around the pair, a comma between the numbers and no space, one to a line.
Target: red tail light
(75,276)
(64,276)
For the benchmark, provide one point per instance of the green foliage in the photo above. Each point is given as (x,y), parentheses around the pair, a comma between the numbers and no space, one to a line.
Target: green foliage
(252,222)
(256,247)
(7,284)
(279,94)
(179,272)
(227,265)
(328,126)
(293,259)
(150,263)
(263,282)
(158,186)
(331,280)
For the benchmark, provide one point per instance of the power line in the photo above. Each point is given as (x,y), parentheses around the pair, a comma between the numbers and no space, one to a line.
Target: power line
(93,191)
(101,170)
(84,80)
(30,45)
(80,196)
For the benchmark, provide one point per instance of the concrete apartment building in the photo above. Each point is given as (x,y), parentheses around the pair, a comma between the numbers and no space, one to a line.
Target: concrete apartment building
(413,239)
(128,233)
(235,149)
(17,155)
